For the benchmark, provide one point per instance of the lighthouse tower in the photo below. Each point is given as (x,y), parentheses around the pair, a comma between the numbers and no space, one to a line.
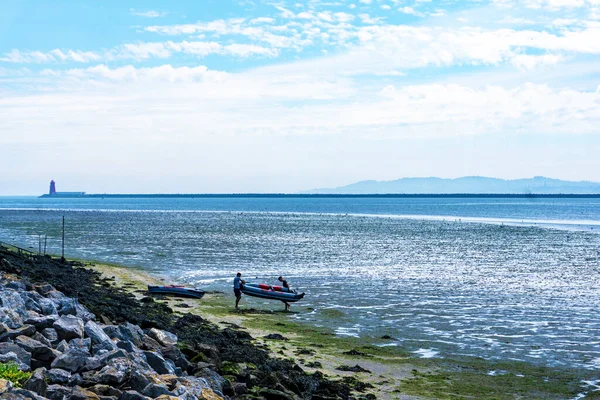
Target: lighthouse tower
(52,188)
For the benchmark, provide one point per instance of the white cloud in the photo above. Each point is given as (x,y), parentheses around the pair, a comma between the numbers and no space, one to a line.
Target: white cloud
(56,55)
(149,13)
(410,10)
(530,62)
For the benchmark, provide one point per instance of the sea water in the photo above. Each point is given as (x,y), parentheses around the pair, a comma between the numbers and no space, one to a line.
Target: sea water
(496,278)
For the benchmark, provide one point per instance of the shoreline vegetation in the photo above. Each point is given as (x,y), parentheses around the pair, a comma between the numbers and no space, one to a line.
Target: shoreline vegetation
(265,354)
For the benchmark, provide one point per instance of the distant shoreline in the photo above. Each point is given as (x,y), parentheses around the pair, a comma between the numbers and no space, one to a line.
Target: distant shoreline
(325,195)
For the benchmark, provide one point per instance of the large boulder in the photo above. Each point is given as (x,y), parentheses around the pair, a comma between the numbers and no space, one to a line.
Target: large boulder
(73,360)
(79,393)
(51,335)
(133,395)
(58,376)
(81,344)
(165,338)
(98,362)
(115,373)
(154,390)
(174,354)
(37,382)
(11,299)
(42,322)
(69,327)
(95,333)
(10,317)
(158,363)
(58,392)
(37,349)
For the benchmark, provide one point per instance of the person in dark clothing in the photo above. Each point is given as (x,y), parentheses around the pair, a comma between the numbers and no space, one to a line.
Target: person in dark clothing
(238,282)
(283,282)
(287,286)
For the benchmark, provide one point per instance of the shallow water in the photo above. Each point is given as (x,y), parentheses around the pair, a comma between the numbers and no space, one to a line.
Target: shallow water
(479,277)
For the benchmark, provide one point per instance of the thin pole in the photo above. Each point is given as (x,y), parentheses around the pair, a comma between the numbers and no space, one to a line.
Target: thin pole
(45,243)
(39,245)
(63,241)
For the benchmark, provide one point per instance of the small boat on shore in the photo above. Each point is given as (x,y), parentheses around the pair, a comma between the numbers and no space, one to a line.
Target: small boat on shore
(265,291)
(173,290)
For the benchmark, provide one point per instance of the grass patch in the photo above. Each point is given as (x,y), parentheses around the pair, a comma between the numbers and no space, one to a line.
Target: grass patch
(11,372)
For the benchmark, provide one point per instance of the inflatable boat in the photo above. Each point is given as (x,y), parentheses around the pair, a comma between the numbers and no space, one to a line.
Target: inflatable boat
(180,291)
(265,291)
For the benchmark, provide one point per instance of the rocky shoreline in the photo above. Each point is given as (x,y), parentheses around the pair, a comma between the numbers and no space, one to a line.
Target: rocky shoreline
(83,338)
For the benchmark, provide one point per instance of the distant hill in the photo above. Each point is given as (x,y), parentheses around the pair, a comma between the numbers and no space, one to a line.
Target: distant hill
(467,184)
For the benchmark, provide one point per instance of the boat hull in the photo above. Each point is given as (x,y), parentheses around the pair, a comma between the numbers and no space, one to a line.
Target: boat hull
(179,291)
(255,290)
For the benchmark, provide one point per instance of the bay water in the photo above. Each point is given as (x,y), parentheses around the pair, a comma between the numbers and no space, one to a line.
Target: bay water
(502,279)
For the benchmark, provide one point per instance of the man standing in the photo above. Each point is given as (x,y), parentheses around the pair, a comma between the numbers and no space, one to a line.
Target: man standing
(237,288)
(286,286)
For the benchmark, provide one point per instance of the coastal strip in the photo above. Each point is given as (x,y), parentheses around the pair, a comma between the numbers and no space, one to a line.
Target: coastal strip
(264,354)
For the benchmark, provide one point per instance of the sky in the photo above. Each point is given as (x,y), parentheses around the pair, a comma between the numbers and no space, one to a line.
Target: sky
(218,96)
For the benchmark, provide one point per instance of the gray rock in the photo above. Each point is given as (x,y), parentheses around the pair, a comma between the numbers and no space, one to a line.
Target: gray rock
(73,360)
(174,354)
(214,380)
(98,362)
(158,363)
(10,318)
(165,338)
(16,285)
(25,330)
(239,388)
(83,313)
(133,395)
(190,387)
(27,394)
(37,349)
(115,373)
(37,382)
(57,392)
(43,322)
(48,307)
(31,303)
(127,346)
(5,385)
(104,347)
(131,333)
(58,376)
(11,299)
(147,343)
(138,380)
(105,390)
(44,289)
(69,327)
(63,346)
(81,344)
(154,390)
(95,333)
(23,356)
(79,393)
(51,335)
(75,380)
(42,339)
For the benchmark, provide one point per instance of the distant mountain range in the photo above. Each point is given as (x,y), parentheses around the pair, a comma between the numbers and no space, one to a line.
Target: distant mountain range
(467,184)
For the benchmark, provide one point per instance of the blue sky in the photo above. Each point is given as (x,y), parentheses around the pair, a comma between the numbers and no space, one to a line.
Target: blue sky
(283,96)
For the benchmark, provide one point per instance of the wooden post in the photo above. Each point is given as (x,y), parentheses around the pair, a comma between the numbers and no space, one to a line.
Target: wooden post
(62,258)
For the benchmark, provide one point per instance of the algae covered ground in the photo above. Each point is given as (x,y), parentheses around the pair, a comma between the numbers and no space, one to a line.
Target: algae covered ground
(372,365)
